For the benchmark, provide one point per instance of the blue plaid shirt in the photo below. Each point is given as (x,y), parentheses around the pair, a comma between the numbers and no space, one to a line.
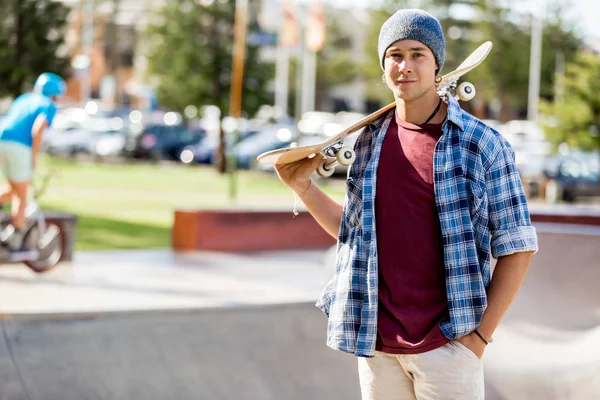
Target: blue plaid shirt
(481,206)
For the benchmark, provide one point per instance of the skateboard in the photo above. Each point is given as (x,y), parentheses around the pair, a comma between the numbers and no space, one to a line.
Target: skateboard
(333,150)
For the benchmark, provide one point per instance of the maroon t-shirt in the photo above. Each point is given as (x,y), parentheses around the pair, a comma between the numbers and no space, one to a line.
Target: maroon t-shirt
(412,284)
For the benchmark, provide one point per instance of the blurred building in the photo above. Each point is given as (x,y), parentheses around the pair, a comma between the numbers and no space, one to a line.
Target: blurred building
(116,53)
(117,64)
(111,53)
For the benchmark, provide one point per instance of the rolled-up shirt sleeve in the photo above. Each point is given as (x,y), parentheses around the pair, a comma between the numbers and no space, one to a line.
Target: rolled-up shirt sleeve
(509,221)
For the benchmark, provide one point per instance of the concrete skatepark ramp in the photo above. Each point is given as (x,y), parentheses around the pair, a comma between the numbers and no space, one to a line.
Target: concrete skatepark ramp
(159,325)
(214,326)
(269,353)
(548,344)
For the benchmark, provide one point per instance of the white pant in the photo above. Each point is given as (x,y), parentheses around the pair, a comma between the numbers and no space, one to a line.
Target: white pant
(449,372)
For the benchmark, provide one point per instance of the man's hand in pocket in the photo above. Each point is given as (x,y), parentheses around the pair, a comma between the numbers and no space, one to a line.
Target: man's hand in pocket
(473,343)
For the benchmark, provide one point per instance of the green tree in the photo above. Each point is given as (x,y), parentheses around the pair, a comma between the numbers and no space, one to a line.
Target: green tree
(336,61)
(575,118)
(32,34)
(506,72)
(191,48)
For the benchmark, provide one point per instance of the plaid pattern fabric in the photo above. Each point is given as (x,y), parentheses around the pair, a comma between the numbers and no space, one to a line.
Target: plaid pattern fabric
(482,209)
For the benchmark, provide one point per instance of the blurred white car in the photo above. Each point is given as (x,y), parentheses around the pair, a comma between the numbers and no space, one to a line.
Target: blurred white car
(109,144)
(314,122)
(81,139)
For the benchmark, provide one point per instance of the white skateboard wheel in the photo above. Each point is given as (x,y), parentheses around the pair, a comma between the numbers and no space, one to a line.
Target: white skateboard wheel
(466,91)
(346,156)
(323,171)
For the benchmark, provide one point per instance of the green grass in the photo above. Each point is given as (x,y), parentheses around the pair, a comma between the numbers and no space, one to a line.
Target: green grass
(95,233)
(132,206)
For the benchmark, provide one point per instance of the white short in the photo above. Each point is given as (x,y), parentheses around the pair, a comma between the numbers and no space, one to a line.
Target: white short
(16,161)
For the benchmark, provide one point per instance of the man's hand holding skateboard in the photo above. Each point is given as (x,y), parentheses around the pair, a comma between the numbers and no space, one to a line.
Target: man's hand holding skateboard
(297,175)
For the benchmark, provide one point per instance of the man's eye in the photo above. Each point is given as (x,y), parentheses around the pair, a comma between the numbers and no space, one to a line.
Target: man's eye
(416,55)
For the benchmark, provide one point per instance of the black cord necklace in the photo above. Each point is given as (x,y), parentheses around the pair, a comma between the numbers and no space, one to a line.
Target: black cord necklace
(434,112)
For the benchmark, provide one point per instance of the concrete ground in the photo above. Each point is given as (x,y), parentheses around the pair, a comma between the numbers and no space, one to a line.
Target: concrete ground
(159,279)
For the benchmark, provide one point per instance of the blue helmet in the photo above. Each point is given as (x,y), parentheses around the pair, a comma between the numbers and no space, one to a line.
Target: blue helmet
(50,84)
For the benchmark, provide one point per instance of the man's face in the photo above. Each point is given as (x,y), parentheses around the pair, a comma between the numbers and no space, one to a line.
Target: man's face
(410,69)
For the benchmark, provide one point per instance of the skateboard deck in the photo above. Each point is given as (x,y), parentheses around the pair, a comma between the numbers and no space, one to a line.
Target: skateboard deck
(332,148)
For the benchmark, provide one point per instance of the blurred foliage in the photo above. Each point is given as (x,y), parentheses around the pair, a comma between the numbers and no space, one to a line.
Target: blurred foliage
(575,117)
(190,53)
(502,79)
(336,61)
(32,33)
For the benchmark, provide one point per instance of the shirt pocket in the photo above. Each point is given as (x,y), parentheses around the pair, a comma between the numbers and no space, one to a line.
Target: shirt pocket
(354,202)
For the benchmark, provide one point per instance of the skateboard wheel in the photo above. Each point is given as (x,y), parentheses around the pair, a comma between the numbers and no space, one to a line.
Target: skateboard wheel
(346,156)
(323,171)
(466,91)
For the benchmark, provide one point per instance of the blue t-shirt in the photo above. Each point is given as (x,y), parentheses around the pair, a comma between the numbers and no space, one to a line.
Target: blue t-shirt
(17,123)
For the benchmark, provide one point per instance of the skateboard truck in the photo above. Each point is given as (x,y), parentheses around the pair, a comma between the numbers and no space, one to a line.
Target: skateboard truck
(337,154)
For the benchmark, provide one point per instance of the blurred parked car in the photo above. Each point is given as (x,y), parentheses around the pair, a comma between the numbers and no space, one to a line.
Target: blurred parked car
(69,138)
(162,142)
(204,151)
(110,144)
(314,122)
(56,131)
(271,137)
(570,177)
(329,125)
(71,142)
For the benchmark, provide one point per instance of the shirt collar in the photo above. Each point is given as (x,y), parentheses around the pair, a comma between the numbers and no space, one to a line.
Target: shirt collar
(455,113)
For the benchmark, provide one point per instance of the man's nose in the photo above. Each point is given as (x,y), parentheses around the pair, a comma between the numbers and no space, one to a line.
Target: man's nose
(404,67)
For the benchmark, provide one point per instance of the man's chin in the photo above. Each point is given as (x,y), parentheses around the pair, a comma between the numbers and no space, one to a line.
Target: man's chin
(404,96)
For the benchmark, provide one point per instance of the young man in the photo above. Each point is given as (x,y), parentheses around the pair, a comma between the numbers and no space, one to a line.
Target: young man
(432,191)
(21,133)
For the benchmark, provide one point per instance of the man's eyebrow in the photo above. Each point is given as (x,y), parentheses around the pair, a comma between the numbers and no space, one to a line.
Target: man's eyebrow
(411,49)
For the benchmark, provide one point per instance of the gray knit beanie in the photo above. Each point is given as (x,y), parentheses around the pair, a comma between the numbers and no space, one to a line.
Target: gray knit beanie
(413,25)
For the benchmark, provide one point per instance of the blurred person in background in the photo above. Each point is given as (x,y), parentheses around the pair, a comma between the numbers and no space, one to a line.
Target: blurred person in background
(20,138)
(432,194)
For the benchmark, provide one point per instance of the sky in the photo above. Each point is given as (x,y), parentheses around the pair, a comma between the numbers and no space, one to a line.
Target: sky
(582,13)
